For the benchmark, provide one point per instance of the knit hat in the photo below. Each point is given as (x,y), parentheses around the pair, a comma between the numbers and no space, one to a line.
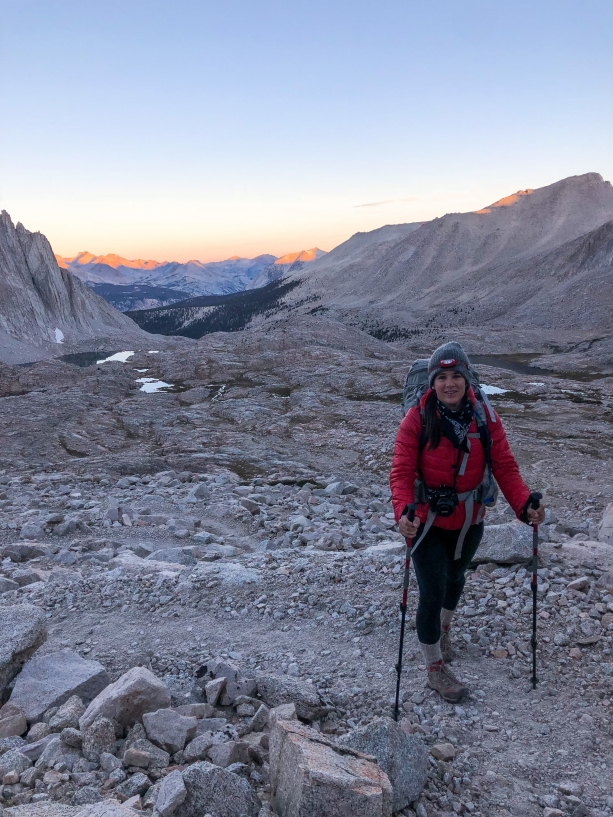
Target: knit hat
(449,356)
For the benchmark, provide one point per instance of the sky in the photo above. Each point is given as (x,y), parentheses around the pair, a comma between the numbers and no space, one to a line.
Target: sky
(186,129)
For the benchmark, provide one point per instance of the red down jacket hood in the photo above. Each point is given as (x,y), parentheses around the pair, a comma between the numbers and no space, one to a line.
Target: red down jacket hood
(437,467)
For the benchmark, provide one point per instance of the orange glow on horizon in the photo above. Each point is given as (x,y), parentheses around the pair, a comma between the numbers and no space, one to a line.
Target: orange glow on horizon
(116,261)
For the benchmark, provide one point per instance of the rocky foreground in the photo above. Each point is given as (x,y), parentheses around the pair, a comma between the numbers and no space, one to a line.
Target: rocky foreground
(199,594)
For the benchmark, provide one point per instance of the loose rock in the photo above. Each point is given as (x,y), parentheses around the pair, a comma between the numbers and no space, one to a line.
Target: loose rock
(605,531)
(23,631)
(212,790)
(50,680)
(171,794)
(125,701)
(310,777)
(13,721)
(168,729)
(275,691)
(402,757)
(98,738)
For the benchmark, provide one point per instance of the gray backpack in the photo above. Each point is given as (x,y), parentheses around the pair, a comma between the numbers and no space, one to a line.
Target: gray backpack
(416,385)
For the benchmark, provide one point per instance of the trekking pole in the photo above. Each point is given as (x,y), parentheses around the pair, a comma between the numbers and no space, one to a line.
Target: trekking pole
(535,499)
(403,610)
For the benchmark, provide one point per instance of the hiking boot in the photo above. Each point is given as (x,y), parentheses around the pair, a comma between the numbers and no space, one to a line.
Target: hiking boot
(447,650)
(443,681)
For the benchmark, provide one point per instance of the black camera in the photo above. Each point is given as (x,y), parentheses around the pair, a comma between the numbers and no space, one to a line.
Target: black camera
(443,501)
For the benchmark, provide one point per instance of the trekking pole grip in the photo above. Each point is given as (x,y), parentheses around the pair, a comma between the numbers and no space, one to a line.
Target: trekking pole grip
(535,500)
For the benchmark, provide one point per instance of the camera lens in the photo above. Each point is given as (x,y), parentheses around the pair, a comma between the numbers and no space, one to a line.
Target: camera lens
(444,501)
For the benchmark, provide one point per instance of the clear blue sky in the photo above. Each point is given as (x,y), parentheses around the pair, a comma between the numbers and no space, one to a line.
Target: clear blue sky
(191,129)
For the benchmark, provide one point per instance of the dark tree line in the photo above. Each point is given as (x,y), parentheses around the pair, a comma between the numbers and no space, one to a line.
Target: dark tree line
(228,313)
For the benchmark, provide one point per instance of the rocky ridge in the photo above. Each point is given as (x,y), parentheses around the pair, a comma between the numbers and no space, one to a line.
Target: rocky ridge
(534,259)
(43,306)
(529,274)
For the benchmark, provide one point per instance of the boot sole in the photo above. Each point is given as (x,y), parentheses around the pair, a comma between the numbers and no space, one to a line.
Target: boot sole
(455,700)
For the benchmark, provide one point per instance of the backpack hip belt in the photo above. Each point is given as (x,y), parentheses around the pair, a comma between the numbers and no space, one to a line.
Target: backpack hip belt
(468,498)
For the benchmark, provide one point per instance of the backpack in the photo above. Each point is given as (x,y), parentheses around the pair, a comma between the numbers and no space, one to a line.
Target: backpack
(416,384)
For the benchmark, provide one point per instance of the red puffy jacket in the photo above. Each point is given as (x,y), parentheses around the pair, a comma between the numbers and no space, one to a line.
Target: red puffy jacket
(437,468)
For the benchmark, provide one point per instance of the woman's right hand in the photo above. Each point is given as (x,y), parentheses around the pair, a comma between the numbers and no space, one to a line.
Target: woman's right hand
(408,529)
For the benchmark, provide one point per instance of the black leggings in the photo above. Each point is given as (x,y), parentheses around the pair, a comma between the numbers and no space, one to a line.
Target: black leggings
(440,577)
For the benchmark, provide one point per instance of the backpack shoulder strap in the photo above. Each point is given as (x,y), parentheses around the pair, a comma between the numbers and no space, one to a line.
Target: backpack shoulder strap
(423,437)
(484,402)
(484,433)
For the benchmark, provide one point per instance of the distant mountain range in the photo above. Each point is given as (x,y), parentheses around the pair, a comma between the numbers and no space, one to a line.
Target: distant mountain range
(139,284)
(536,259)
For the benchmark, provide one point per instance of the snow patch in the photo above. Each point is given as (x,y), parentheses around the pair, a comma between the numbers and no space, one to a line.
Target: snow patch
(492,389)
(121,357)
(151,385)
(59,336)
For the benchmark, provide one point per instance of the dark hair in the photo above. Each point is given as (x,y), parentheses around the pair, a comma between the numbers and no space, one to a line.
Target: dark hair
(432,422)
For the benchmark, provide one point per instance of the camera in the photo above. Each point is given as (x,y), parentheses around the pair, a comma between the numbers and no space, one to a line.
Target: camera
(443,501)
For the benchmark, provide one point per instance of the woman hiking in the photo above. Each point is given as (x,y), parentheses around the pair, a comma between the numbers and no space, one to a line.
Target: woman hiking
(447,449)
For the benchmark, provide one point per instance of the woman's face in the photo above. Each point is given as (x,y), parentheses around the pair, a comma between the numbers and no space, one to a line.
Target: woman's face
(450,388)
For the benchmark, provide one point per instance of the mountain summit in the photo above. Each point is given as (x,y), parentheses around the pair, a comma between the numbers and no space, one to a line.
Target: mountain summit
(292,262)
(85,260)
(303,257)
(483,259)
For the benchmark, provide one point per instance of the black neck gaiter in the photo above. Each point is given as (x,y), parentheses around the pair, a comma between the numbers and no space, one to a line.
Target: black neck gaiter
(455,424)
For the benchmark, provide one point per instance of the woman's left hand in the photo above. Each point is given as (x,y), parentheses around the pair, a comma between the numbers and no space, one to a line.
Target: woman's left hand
(536,517)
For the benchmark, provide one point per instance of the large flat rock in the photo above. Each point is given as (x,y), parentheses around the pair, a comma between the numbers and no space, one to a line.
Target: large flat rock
(23,631)
(177,556)
(23,551)
(310,777)
(49,680)
(275,690)
(509,543)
